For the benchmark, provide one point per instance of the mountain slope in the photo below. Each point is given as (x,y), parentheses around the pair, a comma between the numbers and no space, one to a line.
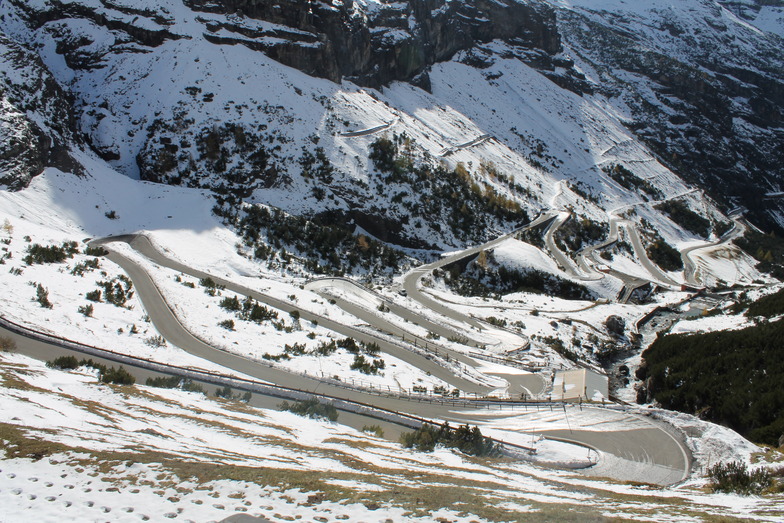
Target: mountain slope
(526,105)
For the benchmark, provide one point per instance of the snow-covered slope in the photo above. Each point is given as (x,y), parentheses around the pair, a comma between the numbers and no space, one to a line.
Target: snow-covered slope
(268,143)
(179,94)
(81,450)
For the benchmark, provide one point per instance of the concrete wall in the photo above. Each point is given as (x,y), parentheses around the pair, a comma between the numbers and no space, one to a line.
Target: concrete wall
(573,385)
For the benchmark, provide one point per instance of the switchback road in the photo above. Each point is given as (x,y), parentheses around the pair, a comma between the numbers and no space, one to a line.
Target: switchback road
(649,448)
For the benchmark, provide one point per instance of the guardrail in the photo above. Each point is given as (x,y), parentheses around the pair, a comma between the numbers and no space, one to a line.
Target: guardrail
(424,347)
(247,385)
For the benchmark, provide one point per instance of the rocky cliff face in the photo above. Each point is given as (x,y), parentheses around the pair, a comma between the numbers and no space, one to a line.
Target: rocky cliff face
(698,85)
(397,41)
(36,118)
(706,94)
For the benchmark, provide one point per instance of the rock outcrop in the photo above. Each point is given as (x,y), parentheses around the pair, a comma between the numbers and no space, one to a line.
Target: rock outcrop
(373,48)
(36,118)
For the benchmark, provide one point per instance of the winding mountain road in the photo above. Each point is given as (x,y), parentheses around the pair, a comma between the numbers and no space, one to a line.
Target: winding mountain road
(170,327)
(690,267)
(412,280)
(645,452)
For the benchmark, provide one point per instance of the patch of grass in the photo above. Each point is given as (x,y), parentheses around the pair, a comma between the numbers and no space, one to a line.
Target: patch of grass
(7,344)
(374,429)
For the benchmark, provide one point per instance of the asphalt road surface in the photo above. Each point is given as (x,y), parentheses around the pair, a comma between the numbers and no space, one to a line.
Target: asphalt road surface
(172,330)
(643,453)
(647,453)
(412,279)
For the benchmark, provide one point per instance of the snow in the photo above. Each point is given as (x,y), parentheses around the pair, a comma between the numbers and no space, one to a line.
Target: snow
(111,327)
(201,313)
(524,111)
(770,19)
(130,452)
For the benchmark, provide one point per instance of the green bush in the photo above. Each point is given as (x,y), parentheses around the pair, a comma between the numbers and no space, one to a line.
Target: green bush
(86,310)
(208,283)
(230,304)
(311,408)
(227,324)
(96,251)
(326,348)
(42,297)
(224,392)
(156,341)
(735,477)
(466,439)
(190,386)
(374,429)
(64,363)
(85,266)
(117,290)
(118,376)
(164,382)
(689,220)
(252,311)
(367,367)
(50,253)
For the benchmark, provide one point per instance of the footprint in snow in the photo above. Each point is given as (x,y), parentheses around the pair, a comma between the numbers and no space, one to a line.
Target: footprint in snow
(170,515)
(106,510)
(11,475)
(67,504)
(145,518)
(48,483)
(69,487)
(32,497)
(218,506)
(88,489)
(89,503)
(128,509)
(50,498)
(16,491)
(33,479)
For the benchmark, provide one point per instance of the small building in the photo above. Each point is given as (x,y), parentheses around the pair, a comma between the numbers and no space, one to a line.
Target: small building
(580,384)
